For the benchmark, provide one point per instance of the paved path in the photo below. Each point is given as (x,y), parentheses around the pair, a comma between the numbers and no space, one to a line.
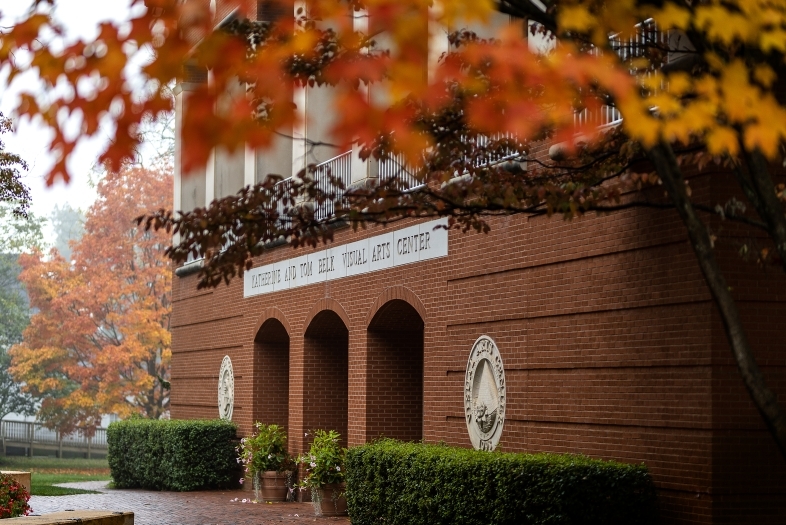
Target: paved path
(183,508)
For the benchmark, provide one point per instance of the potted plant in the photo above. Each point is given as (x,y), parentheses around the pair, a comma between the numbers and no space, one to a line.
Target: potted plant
(13,498)
(267,463)
(324,473)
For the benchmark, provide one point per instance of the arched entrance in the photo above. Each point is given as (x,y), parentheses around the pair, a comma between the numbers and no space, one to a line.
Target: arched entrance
(325,377)
(394,398)
(271,374)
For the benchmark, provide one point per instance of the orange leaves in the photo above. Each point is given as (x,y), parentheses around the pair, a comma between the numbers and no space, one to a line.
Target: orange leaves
(100,335)
(392,44)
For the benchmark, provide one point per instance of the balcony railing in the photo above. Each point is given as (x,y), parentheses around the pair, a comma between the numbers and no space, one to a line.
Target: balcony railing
(395,167)
(647,35)
(603,116)
(490,158)
(337,168)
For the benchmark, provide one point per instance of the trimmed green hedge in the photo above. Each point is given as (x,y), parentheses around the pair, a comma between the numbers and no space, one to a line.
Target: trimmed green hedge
(413,484)
(175,455)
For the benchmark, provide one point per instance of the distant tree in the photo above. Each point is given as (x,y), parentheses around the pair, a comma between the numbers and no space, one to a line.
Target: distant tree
(16,234)
(100,342)
(69,226)
(12,189)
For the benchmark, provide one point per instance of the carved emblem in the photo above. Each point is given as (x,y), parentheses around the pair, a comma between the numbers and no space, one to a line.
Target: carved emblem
(226,389)
(484,394)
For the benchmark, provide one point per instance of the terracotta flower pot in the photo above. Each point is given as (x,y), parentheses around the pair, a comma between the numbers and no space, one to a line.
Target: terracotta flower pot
(331,500)
(273,486)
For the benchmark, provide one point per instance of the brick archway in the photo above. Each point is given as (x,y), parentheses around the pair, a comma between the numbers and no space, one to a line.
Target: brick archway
(396,292)
(326,303)
(266,315)
(271,368)
(325,368)
(394,373)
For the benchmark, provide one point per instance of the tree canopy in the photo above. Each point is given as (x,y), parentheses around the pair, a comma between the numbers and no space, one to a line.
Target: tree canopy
(17,234)
(12,189)
(99,340)
(692,82)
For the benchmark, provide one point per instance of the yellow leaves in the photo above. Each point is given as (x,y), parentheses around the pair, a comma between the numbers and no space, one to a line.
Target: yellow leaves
(672,17)
(724,25)
(638,122)
(576,18)
(739,95)
(453,12)
(667,106)
(679,83)
(753,22)
(762,137)
(773,40)
(764,75)
(722,140)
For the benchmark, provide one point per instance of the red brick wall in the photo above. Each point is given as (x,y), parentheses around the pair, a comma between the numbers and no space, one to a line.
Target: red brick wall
(610,341)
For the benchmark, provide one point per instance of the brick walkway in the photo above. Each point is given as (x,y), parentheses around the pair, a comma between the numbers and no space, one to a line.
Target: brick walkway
(183,508)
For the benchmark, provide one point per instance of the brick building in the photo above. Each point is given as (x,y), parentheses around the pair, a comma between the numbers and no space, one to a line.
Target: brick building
(612,346)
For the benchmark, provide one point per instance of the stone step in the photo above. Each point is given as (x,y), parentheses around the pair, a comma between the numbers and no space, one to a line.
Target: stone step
(69,517)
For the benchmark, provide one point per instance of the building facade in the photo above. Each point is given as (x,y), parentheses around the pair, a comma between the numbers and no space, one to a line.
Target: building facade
(609,340)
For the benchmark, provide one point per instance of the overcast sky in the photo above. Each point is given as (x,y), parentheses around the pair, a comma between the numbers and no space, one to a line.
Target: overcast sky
(81,19)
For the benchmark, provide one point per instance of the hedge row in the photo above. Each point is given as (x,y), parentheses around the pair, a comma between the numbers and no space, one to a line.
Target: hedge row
(176,455)
(414,484)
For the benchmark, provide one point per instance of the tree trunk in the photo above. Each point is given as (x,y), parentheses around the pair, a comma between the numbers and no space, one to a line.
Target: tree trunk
(754,178)
(662,156)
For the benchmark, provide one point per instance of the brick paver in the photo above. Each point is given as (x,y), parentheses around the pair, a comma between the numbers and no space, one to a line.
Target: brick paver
(183,508)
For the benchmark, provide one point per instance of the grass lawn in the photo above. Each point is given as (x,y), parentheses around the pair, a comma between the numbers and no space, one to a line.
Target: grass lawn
(46,471)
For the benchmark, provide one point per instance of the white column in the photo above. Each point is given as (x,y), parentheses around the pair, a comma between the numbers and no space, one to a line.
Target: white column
(250,167)
(210,167)
(178,187)
(210,178)
(300,98)
(361,170)
(437,40)
(299,130)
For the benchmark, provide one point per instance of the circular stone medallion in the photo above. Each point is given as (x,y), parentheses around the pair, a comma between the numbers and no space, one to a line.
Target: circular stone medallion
(484,394)
(226,389)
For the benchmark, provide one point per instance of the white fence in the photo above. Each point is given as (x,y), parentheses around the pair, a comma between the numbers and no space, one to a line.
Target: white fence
(32,435)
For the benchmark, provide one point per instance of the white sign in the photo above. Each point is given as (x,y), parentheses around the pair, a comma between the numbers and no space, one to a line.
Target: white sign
(409,245)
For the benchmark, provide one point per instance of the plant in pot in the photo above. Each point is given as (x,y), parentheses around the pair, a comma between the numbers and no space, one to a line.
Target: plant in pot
(324,473)
(267,463)
(13,498)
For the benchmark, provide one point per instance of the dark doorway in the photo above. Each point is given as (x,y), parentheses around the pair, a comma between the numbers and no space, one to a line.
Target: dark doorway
(271,374)
(394,399)
(325,377)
